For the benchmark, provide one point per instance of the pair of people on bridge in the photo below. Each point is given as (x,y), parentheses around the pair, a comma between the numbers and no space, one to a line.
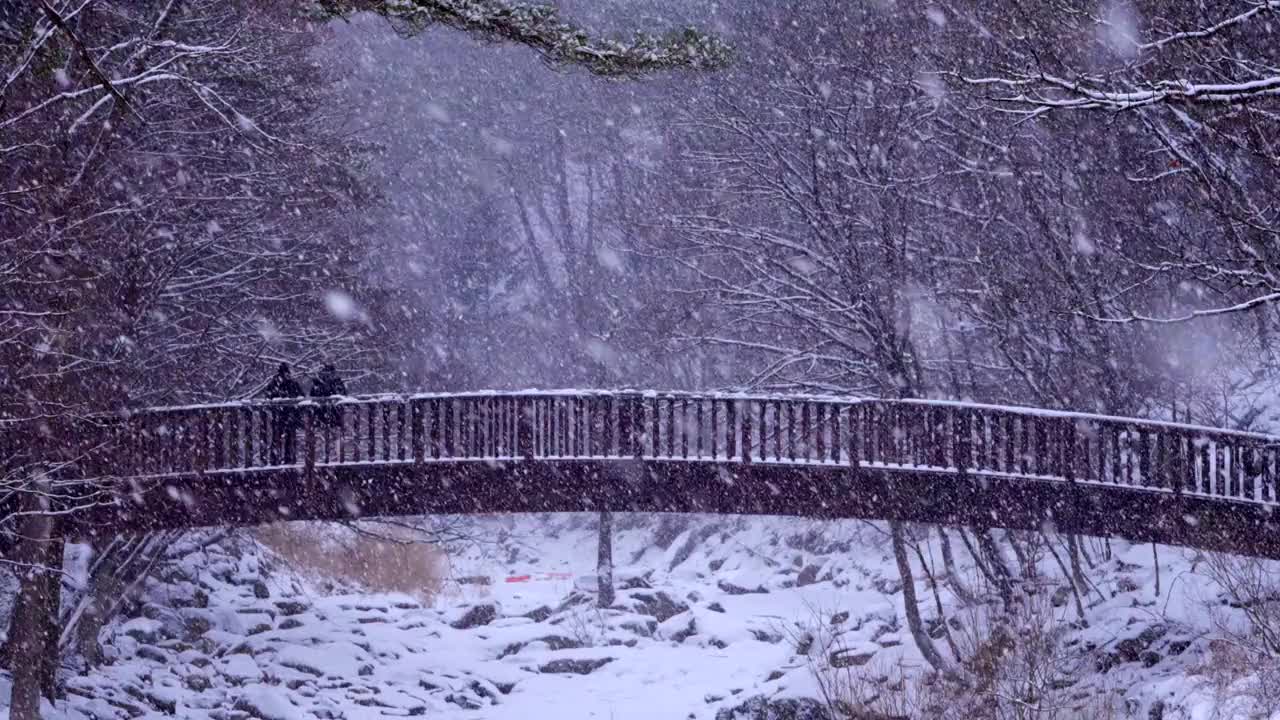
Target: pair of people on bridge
(285,420)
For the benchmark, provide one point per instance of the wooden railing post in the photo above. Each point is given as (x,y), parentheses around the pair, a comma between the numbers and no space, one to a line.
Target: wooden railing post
(698,431)
(731,428)
(524,413)
(855,432)
(264,439)
(776,429)
(871,432)
(836,442)
(1269,474)
(715,432)
(684,427)
(791,430)
(1069,456)
(1238,469)
(671,426)
(806,432)
(416,429)
(385,415)
(246,435)
(637,425)
(655,421)
(820,435)
(309,439)
(1160,476)
(587,406)
(611,430)
(1177,461)
(202,442)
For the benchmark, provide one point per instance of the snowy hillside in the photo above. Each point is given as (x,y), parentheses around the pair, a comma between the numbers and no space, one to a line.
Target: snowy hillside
(721,618)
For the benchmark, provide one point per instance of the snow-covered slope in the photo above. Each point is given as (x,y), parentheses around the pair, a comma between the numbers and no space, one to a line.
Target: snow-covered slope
(716,618)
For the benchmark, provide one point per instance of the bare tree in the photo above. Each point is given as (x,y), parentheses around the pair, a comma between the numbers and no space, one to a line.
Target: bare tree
(1196,87)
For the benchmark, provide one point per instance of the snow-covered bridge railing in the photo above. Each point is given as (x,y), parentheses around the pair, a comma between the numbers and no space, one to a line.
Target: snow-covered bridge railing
(500,427)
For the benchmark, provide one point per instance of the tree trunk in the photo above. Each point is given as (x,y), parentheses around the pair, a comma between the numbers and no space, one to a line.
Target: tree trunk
(1026,568)
(937,600)
(604,563)
(1155,560)
(1075,548)
(109,580)
(994,556)
(953,576)
(1000,571)
(977,558)
(911,603)
(31,650)
(55,550)
(1066,575)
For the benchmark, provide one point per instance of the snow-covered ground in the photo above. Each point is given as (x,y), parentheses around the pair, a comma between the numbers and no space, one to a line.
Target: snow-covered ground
(711,617)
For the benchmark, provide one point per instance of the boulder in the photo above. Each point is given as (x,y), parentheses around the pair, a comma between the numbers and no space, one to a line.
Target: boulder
(807,576)
(763,708)
(887,586)
(1133,649)
(576,667)
(729,588)
(850,657)
(267,703)
(634,581)
(144,630)
(152,653)
(477,616)
(539,614)
(680,628)
(658,605)
(765,636)
(260,590)
(292,607)
(198,683)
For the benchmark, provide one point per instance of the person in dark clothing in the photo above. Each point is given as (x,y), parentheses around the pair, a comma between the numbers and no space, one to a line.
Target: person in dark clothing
(284,424)
(327,385)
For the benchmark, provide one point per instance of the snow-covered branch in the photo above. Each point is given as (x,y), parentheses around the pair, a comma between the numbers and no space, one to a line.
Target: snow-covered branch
(1204,70)
(540,27)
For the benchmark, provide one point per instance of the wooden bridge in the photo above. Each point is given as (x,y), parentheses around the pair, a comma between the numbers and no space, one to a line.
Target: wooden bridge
(826,457)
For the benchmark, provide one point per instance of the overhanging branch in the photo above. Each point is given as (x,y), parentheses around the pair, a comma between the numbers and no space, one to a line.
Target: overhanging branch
(541,28)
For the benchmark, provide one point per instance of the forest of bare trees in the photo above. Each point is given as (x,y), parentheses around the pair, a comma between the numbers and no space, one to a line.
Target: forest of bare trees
(1057,204)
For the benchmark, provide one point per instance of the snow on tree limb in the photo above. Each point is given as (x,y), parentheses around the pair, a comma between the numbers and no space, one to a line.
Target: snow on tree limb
(1244,79)
(1044,92)
(541,28)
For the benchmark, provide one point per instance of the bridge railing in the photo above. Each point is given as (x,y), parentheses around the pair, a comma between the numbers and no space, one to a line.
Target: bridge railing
(1029,443)
(889,435)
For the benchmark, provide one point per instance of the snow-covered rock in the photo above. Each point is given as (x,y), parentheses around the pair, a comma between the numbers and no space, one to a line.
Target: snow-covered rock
(723,623)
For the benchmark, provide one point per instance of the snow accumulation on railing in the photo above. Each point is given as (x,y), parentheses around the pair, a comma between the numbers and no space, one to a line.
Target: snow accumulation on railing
(528,392)
(707,396)
(1076,415)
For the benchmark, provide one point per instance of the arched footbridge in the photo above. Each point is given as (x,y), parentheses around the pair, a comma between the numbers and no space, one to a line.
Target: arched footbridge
(825,457)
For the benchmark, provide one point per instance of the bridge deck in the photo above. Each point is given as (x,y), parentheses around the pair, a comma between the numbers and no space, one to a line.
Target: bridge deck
(579,450)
